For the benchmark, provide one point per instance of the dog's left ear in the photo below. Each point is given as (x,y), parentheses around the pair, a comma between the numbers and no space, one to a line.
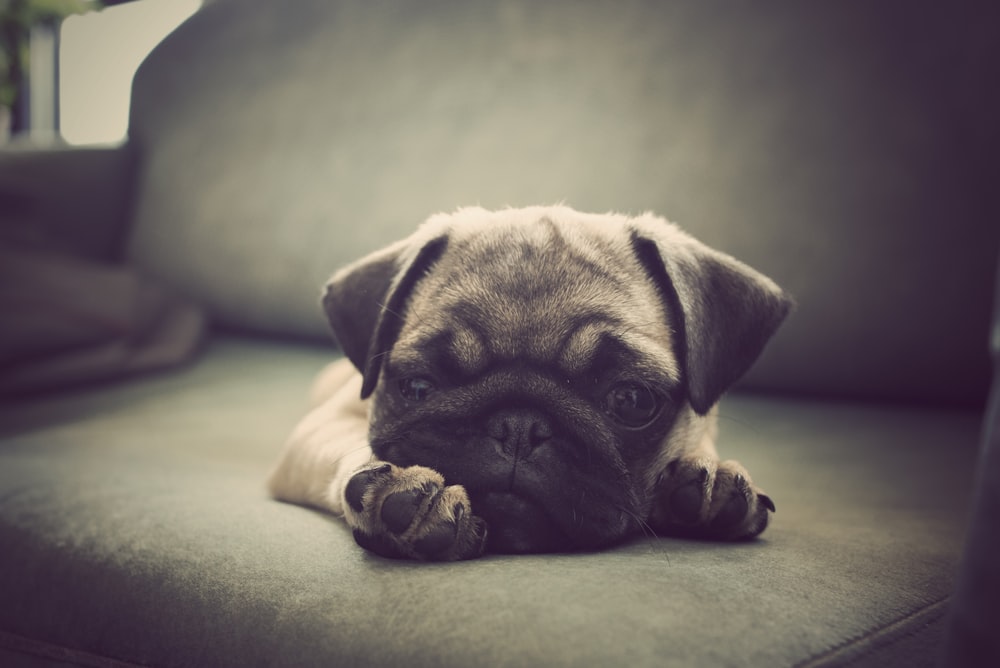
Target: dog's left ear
(722,311)
(366,301)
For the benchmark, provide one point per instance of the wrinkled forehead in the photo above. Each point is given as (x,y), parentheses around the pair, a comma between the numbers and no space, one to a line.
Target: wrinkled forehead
(574,348)
(540,294)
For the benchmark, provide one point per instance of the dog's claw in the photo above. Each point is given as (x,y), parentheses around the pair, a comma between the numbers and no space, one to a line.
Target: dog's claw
(766,501)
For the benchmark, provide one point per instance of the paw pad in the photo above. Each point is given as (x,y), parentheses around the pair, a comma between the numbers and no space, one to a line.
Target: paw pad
(400,509)
(438,540)
(685,502)
(732,513)
(354,494)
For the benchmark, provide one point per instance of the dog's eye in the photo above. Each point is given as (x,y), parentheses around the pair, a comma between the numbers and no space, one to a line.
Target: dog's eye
(415,389)
(633,405)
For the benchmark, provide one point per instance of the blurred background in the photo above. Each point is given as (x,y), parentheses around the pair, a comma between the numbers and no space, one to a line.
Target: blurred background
(68,65)
(847,149)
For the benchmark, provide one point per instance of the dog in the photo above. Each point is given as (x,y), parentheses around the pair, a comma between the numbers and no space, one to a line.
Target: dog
(532,380)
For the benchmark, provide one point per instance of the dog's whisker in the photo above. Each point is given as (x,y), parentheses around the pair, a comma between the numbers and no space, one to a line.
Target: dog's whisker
(648,532)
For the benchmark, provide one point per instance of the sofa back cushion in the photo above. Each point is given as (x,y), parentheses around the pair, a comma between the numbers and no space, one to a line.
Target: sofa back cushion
(839,148)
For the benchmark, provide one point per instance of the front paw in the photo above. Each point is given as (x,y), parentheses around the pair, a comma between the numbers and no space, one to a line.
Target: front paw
(409,513)
(705,498)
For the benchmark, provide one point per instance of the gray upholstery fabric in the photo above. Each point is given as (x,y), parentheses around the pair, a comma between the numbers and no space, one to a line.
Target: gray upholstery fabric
(73,201)
(71,312)
(70,321)
(842,148)
(135,527)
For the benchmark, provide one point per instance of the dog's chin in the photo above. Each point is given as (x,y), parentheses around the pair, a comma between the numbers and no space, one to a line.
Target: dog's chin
(517,525)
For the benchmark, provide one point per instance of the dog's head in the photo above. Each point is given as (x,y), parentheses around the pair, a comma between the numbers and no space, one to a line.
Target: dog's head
(549,361)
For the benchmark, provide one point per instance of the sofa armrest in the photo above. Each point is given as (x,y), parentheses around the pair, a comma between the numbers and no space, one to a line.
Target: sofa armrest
(972,638)
(67,199)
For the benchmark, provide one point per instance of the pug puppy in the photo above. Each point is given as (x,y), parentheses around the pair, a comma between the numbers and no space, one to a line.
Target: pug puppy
(532,380)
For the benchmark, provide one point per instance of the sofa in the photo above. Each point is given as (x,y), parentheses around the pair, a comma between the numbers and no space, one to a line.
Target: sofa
(162,329)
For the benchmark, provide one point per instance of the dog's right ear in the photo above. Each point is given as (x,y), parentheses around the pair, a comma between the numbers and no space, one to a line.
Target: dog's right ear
(366,302)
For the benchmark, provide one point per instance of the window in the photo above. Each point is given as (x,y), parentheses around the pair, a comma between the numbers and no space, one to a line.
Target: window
(99,53)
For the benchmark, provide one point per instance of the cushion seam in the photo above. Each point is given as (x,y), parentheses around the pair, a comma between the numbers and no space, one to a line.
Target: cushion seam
(47,650)
(863,644)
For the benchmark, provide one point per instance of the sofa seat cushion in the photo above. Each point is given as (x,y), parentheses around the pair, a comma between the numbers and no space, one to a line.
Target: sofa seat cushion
(135,527)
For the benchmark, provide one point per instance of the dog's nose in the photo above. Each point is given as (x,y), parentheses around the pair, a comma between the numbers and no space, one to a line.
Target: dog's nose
(517,432)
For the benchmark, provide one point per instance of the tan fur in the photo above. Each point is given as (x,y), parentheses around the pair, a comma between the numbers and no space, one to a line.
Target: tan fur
(330,445)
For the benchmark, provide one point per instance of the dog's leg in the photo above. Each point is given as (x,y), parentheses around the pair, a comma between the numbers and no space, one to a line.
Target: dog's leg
(327,446)
(393,511)
(698,495)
